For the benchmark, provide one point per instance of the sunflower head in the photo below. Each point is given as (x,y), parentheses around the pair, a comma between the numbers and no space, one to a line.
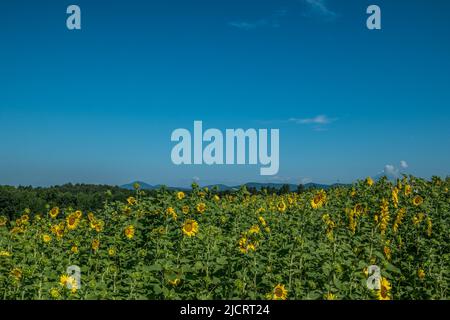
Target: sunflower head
(46,238)
(3,221)
(180,195)
(280,292)
(417,201)
(281,206)
(190,227)
(201,207)
(54,212)
(385,288)
(421,274)
(131,201)
(129,232)
(185,209)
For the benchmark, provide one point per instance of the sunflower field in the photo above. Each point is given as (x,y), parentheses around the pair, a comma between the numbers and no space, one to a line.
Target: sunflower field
(318,244)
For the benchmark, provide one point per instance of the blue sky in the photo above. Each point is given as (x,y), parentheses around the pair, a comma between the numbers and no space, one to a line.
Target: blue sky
(98,105)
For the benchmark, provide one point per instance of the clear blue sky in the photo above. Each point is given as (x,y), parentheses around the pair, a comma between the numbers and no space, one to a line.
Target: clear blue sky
(99,105)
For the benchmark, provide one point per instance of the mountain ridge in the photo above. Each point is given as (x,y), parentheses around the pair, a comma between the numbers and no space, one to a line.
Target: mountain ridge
(222,187)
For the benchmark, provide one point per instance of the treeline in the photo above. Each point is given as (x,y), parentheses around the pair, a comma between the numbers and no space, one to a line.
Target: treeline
(85,197)
(14,200)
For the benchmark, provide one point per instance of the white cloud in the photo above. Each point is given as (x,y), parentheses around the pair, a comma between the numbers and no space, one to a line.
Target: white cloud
(320,7)
(391,171)
(320,120)
(247,25)
(404,164)
(196,179)
(271,21)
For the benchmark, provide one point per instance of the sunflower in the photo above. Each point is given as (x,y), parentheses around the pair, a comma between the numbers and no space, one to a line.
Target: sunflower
(16,273)
(171,212)
(95,244)
(279,292)
(395,197)
(78,214)
(131,201)
(190,227)
(262,221)
(201,207)
(408,190)
(129,232)
(319,199)
(369,181)
(46,238)
(421,274)
(5,253)
(417,201)
(330,296)
(54,293)
(254,229)
(68,282)
(185,209)
(112,251)
(54,212)
(384,291)
(281,206)
(180,195)
(74,249)
(25,218)
(216,198)
(91,216)
(175,282)
(98,225)
(3,221)
(72,221)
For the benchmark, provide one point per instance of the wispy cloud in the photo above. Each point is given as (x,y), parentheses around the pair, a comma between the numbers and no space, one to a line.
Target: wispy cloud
(320,119)
(319,7)
(245,25)
(392,172)
(271,21)
(318,123)
(404,164)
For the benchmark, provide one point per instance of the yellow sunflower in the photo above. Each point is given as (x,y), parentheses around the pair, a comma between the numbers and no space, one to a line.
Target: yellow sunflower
(180,195)
(185,209)
(201,207)
(175,282)
(279,292)
(54,212)
(417,201)
(112,251)
(16,273)
(384,292)
(4,253)
(129,232)
(319,199)
(46,238)
(421,274)
(330,296)
(3,221)
(369,181)
(95,244)
(281,206)
(68,282)
(72,221)
(190,227)
(131,201)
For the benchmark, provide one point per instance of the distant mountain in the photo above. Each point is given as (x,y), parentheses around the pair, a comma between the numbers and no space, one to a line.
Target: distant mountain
(222,187)
(146,186)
